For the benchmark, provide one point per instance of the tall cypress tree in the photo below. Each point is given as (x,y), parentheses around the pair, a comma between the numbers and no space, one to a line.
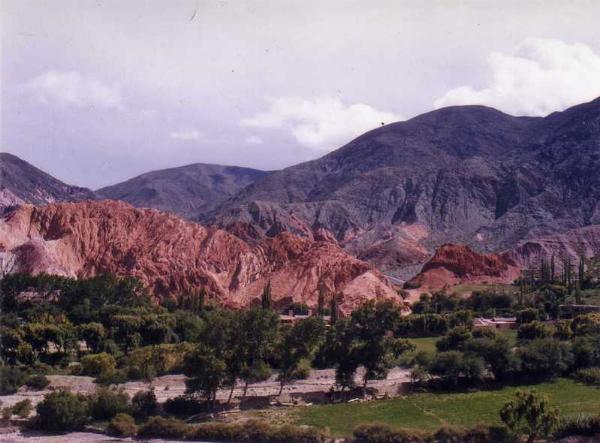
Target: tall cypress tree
(334,309)
(321,301)
(552,269)
(265,298)
(581,275)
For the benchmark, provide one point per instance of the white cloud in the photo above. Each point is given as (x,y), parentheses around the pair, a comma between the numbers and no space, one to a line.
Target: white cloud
(542,76)
(72,89)
(253,140)
(322,123)
(187,135)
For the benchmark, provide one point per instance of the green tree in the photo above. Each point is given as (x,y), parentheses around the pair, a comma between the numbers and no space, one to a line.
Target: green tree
(321,301)
(530,414)
(93,334)
(298,344)
(206,373)
(369,342)
(62,411)
(266,298)
(256,345)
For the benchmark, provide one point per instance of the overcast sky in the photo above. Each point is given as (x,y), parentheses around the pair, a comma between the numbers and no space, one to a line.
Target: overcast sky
(95,92)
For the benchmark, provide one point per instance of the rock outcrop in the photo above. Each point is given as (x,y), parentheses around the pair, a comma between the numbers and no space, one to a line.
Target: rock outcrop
(172,256)
(455,264)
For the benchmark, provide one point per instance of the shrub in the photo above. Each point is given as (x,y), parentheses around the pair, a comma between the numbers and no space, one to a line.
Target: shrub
(454,340)
(96,364)
(62,411)
(579,425)
(255,431)
(37,382)
(545,358)
(183,406)
(478,434)
(106,403)
(527,315)
(11,379)
(589,376)
(532,330)
(122,425)
(161,427)
(383,433)
(22,408)
(144,405)
(111,377)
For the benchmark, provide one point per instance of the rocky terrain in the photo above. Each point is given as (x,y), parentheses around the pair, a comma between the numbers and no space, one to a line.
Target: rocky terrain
(457,264)
(21,182)
(188,190)
(172,256)
(466,174)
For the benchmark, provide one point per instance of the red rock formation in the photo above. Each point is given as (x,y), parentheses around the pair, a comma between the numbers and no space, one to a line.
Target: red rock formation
(173,256)
(455,264)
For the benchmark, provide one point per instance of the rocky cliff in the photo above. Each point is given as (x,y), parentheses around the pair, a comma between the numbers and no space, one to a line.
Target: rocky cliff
(172,256)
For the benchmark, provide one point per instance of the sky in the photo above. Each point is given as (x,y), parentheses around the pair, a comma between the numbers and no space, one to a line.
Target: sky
(96,92)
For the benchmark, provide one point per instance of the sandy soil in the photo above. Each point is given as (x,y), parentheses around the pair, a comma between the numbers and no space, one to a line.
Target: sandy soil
(170,386)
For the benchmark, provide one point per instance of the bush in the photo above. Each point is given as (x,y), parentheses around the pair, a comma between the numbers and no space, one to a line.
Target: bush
(144,405)
(111,377)
(161,427)
(122,425)
(106,403)
(62,411)
(382,433)
(589,376)
(11,379)
(478,434)
(37,382)
(96,364)
(534,329)
(183,406)
(545,358)
(527,315)
(254,431)
(579,425)
(22,408)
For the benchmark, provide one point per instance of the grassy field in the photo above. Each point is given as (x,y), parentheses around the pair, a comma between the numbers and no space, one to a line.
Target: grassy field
(428,343)
(427,412)
(467,288)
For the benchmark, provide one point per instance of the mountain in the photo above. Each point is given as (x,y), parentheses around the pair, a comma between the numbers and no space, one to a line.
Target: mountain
(188,190)
(21,182)
(467,174)
(172,256)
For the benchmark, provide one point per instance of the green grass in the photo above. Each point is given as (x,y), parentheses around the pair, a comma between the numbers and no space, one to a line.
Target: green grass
(468,288)
(429,411)
(428,343)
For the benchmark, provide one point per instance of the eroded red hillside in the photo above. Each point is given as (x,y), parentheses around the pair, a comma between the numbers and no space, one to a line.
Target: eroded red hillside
(173,256)
(455,264)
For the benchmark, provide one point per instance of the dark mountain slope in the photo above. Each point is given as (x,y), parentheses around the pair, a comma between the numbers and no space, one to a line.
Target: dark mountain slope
(466,174)
(21,182)
(187,190)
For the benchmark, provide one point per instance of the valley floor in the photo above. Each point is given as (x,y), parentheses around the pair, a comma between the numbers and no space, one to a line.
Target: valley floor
(430,411)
